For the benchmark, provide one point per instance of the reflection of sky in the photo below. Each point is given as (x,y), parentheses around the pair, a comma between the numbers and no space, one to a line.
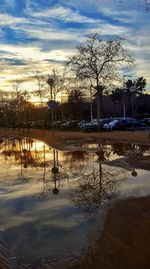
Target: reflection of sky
(136,187)
(54,219)
(38,224)
(30,214)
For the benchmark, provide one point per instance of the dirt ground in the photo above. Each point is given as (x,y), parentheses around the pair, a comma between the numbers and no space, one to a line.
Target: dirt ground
(125,240)
(63,139)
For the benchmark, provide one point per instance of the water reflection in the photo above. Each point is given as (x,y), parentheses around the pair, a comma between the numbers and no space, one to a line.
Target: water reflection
(125,149)
(55,171)
(97,186)
(103,153)
(46,195)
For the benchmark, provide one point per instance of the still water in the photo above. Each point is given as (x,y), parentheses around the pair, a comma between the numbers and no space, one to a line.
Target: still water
(49,198)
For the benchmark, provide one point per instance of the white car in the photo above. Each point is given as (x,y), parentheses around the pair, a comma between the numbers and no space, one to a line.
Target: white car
(111,125)
(89,124)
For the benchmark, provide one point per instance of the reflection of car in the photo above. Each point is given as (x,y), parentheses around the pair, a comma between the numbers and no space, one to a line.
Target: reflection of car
(124,124)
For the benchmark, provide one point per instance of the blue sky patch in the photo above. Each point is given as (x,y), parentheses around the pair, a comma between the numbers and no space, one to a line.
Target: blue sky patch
(46,32)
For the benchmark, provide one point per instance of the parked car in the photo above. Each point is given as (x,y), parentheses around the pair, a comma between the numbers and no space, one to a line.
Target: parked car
(89,125)
(124,124)
(70,124)
(82,123)
(110,125)
(104,121)
(146,121)
(94,125)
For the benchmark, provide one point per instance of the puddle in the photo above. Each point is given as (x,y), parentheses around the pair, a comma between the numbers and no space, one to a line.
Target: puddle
(49,198)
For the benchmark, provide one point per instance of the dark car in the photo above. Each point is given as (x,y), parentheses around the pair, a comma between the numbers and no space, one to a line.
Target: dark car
(146,121)
(124,124)
(70,124)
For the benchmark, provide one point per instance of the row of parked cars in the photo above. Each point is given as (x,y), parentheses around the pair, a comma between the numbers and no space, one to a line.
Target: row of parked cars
(108,124)
(103,124)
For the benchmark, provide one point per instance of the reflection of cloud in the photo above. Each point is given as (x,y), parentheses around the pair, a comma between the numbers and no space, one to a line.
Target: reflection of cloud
(52,224)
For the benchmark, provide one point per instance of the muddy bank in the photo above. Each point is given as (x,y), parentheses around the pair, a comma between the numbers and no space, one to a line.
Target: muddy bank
(125,241)
(63,139)
(142,162)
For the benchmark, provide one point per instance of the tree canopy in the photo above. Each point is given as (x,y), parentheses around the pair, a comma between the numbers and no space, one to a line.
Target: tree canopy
(98,60)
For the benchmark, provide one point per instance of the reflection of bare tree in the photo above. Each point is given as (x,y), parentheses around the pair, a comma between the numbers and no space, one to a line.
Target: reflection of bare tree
(45,181)
(97,186)
(123,149)
(76,161)
(22,150)
(143,148)
(102,153)
(53,182)
(76,156)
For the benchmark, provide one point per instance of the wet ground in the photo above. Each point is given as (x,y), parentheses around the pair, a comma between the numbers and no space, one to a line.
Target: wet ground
(54,202)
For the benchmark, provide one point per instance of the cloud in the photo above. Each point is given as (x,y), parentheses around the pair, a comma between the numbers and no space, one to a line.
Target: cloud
(10,3)
(30,6)
(6,19)
(18,60)
(64,14)
(45,34)
(33,53)
(48,33)
(109,29)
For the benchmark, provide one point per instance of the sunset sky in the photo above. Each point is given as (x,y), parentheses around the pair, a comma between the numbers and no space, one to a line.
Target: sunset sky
(37,34)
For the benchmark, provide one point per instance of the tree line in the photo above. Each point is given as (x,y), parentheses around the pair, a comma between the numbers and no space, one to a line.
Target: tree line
(80,88)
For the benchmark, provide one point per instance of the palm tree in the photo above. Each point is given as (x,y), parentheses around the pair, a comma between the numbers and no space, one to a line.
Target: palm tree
(117,96)
(75,96)
(139,84)
(75,99)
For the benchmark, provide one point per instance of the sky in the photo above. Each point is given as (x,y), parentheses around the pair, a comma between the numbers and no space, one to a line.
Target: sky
(40,34)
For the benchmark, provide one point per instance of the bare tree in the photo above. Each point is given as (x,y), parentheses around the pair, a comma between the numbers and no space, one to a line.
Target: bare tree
(98,60)
(40,78)
(58,84)
(4,107)
(57,80)
(18,104)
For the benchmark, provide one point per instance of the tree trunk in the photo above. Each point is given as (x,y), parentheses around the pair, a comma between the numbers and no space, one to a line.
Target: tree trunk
(98,108)
(98,102)
(91,110)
